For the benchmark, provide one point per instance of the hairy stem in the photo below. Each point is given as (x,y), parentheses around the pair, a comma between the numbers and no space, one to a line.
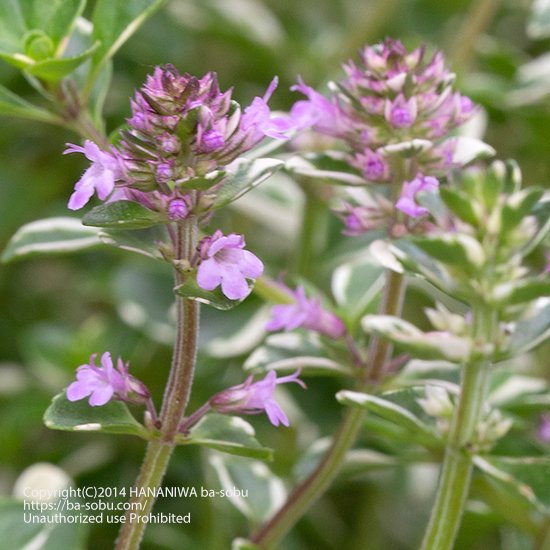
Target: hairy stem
(314,485)
(454,483)
(176,397)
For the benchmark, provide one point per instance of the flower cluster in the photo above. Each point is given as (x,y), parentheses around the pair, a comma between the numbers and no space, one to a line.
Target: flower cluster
(105,382)
(255,397)
(391,106)
(182,128)
(391,97)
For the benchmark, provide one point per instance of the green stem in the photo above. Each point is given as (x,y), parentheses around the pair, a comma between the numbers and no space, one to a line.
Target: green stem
(456,473)
(313,486)
(313,230)
(176,398)
(478,19)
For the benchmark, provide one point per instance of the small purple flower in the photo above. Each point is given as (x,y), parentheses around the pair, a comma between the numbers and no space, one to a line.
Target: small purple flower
(255,397)
(106,382)
(306,313)
(401,113)
(407,202)
(316,111)
(257,118)
(107,167)
(225,262)
(373,165)
(544,428)
(178,209)
(547,264)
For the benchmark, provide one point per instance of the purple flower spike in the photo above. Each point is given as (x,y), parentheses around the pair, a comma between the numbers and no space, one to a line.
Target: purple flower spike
(306,313)
(107,167)
(407,202)
(106,382)
(255,397)
(226,263)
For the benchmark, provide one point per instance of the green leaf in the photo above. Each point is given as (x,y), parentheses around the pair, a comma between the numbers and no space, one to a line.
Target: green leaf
(389,411)
(242,176)
(55,69)
(205,182)
(55,18)
(460,204)
(526,477)
(532,330)
(356,285)
(228,434)
(50,236)
(114,22)
(417,261)
(454,249)
(538,24)
(423,345)
(291,351)
(266,492)
(12,105)
(519,292)
(123,215)
(18,534)
(213,298)
(325,167)
(141,241)
(78,416)
(518,206)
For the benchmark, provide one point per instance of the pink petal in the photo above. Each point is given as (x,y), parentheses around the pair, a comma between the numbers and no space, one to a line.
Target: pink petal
(77,391)
(275,414)
(234,285)
(209,274)
(101,395)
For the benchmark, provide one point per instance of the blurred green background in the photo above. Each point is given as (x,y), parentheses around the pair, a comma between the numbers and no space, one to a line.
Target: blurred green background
(56,311)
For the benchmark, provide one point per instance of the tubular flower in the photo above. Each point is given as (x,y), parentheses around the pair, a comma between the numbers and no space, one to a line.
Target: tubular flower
(255,397)
(306,313)
(223,261)
(407,201)
(106,169)
(181,129)
(105,382)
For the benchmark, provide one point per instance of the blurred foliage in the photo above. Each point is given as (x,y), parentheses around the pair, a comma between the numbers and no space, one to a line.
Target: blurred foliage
(57,311)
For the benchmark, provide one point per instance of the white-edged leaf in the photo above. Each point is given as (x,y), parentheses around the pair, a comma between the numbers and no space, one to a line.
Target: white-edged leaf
(423,345)
(50,236)
(227,434)
(242,175)
(78,416)
(265,491)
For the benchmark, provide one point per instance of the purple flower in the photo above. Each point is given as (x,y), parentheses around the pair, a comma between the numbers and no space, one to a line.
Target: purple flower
(306,313)
(181,129)
(106,169)
(316,112)
(106,382)
(407,202)
(225,262)
(544,428)
(373,165)
(401,113)
(389,96)
(257,118)
(255,397)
